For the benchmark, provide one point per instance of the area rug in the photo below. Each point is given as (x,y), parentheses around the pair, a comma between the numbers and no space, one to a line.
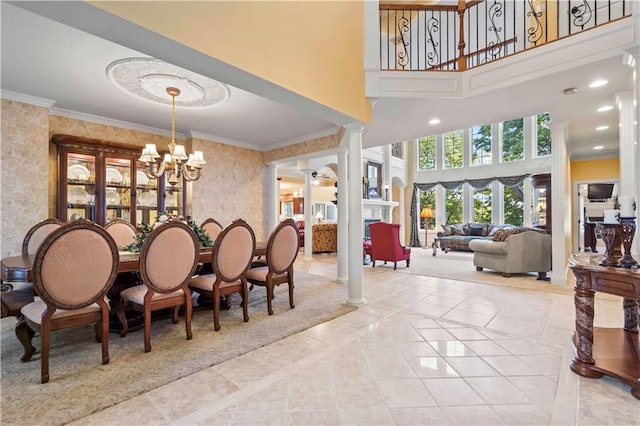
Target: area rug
(458,265)
(80,385)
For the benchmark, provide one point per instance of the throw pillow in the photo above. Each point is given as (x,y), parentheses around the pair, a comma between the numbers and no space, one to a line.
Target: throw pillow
(446,230)
(502,234)
(476,230)
(457,230)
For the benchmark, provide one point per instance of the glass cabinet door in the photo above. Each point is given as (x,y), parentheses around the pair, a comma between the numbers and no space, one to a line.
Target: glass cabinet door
(80,186)
(118,189)
(146,197)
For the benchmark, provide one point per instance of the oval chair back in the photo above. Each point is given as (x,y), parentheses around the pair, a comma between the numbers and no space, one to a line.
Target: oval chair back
(123,232)
(233,251)
(37,234)
(283,246)
(212,227)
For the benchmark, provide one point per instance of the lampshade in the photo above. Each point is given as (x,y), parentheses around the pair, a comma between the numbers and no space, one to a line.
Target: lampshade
(319,215)
(426,212)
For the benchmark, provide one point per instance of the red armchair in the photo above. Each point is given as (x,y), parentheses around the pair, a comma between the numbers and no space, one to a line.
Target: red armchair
(385,244)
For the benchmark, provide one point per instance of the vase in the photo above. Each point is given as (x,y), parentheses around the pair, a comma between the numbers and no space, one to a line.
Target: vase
(628,229)
(608,235)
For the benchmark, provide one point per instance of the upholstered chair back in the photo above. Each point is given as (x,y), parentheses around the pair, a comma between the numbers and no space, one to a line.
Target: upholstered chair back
(283,245)
(212,227)
(169,257)
(37,234)
(123,232)
(75,265)
(233,251)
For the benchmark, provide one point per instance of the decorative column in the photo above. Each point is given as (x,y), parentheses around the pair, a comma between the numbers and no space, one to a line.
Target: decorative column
(560,198)
(343,215)
(272,202)
(308,218)
(401,213)
(356,224)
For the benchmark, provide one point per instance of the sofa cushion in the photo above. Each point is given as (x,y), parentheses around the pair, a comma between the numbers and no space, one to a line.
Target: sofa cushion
(488,246)
(477,230)
(503,234)
(495,228)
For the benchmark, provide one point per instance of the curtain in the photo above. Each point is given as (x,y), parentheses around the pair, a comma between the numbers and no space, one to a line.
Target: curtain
(414,240)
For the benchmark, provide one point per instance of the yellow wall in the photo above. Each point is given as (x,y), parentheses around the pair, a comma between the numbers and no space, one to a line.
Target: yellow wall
(313,48)
(592,170)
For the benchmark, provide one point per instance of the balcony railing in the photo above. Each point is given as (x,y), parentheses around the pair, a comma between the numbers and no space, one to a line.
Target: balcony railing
(459,37)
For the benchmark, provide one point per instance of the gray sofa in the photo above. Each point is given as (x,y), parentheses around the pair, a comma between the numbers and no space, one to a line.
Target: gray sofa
(458,236)
(517,250)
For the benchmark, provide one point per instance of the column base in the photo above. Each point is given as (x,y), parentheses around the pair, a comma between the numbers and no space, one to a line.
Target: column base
(355,302)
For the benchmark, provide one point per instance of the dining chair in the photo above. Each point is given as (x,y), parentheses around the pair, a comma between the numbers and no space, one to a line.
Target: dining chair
(123,232)
(73,270)
(13,299)
(168,259)
(212,227)
(282,250)
(230,259)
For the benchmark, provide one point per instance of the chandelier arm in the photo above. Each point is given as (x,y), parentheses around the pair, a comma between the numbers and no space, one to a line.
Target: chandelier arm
(153,171)
(190,175)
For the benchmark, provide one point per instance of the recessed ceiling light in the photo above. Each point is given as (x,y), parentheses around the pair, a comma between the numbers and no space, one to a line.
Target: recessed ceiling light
(605,108)
(598,83)
(434,121)
(570,90)
(602,127)
(598,147)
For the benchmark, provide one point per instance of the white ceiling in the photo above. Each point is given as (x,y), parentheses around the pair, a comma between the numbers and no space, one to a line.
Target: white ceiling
(46,59)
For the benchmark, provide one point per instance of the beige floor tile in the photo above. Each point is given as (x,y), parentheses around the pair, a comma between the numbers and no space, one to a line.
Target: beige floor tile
(431,367)
(416,349)
(419,416)
(485,347)
(510,365)
(466,317)
(471,366)
(464,333)
(431,334)
(451,348)
(314,418)
(475,415)
(405,393)
(524,414)
(452,392)
(372,416)
(498,390)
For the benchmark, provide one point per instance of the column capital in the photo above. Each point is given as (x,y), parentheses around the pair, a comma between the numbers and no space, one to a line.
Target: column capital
(356,126)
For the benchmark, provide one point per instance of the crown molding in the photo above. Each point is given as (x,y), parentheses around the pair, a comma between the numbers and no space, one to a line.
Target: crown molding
(111,122)
(27,99)
(225,141)
(305,138)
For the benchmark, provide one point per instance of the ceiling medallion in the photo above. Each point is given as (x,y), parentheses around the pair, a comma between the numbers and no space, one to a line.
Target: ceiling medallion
(148,78)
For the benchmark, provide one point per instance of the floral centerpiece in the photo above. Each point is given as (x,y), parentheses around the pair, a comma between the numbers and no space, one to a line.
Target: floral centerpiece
(204,238)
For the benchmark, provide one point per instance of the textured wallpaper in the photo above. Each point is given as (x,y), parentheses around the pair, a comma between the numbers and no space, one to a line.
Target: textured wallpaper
(326,143)
(24,172)
(231,186)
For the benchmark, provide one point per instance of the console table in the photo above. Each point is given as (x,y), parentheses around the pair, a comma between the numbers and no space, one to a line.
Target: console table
(606,351)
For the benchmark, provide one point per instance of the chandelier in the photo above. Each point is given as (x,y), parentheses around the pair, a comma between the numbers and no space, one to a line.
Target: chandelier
(175,164)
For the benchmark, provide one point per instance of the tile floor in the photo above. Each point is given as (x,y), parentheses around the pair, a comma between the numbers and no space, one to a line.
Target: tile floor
(423,350)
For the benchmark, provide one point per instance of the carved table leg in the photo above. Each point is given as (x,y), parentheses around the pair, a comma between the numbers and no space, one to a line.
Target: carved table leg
(584,301)
(24,334)
(630,314)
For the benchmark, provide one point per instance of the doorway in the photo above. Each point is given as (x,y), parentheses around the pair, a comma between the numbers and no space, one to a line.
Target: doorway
(592,199)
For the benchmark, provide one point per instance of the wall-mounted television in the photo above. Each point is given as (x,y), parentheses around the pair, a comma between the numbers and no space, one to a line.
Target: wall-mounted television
(600,191)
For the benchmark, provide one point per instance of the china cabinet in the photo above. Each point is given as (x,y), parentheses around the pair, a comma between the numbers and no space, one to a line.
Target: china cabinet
(541,214)
(103,180)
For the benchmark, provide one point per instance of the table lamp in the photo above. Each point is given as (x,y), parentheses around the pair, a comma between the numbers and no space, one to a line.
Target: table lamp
(319,217)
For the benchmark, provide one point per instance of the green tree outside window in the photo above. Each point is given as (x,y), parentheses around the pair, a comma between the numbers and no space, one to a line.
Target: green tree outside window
(427,153)
(453,143)
(513,140)
(453,199)
(544,135)
(482,205)
(514,204)
(481,145)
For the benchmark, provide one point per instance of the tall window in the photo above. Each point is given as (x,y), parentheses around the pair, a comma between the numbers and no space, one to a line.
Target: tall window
(453,199)
(513,140)
(482,205)
(453,150)
(481,145)
(427,153)
(514,204)
(428,199)
(544,135)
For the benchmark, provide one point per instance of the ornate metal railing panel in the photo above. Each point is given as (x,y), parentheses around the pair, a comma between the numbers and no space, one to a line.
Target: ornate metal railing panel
(449,38)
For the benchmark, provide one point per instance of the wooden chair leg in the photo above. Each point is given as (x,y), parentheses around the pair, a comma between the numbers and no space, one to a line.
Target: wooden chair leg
(188,311)
(44,358)
(175,318)
(245,301)
(121,317)
(269,287)
(104,324)
(408,260)
(291,302)
(25,334)
(216,309)
(147,329)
